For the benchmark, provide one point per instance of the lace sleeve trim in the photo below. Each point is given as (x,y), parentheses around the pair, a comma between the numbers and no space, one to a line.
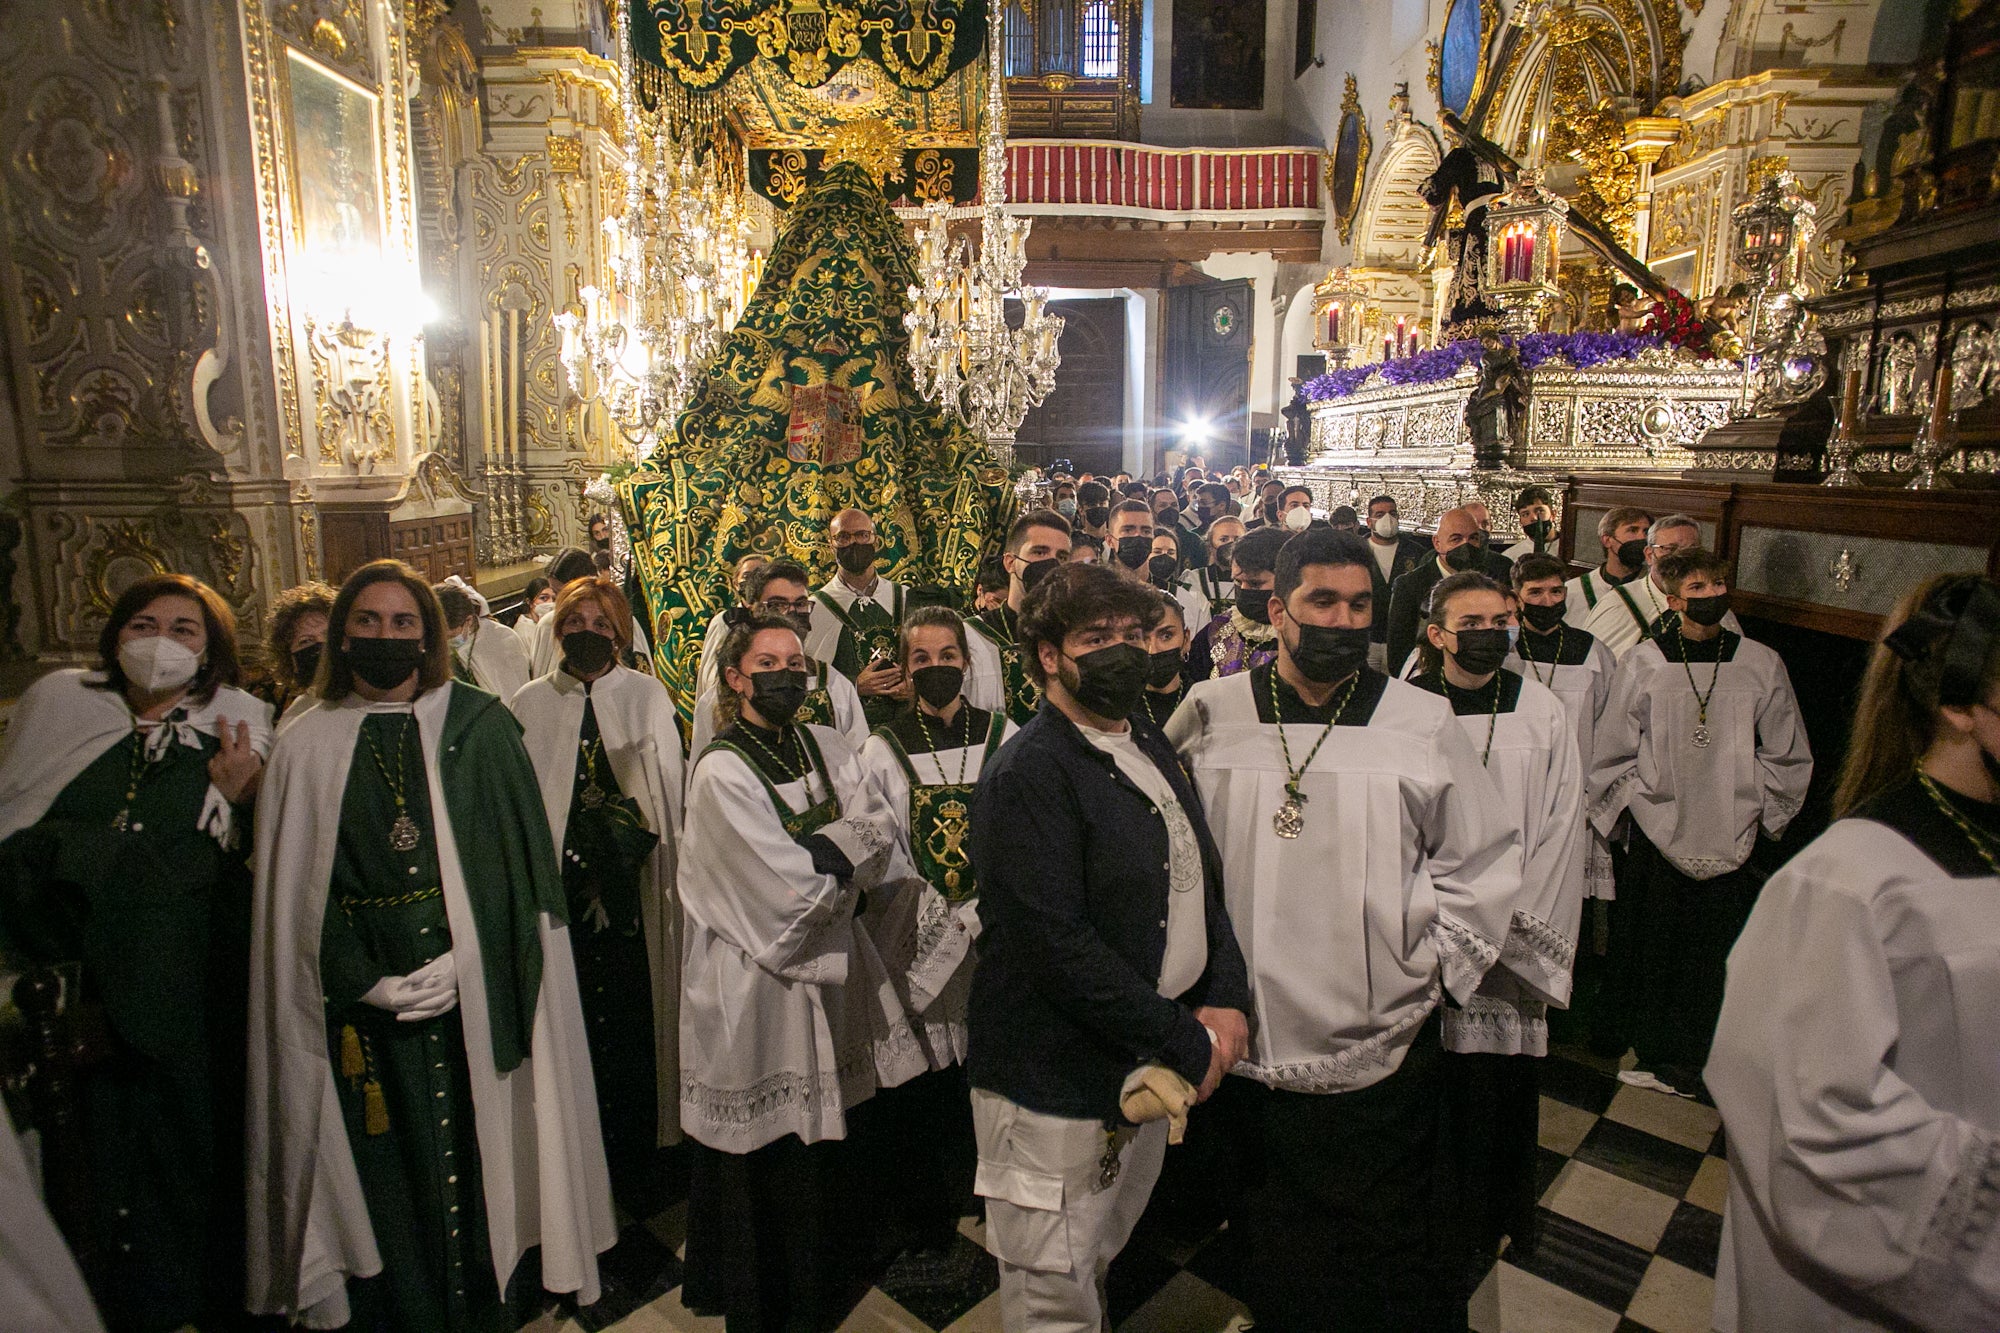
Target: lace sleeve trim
(943,942)
(1611,797)
(1539,954)
(1963,1222)
(1463,956)
(866,844)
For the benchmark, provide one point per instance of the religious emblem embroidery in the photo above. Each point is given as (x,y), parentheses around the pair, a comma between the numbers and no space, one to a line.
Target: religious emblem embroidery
(944,812)
(825,425)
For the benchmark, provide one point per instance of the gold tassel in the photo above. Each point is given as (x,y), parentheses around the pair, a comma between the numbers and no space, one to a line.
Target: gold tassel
(352,1063)
(375,1111)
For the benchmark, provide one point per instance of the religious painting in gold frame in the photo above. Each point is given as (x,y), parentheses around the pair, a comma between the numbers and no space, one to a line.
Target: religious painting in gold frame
(1458,59)
(334,136)
(1347,168)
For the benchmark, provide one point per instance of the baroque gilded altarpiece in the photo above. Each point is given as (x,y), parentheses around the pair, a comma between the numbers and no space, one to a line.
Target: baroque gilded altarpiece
(189,390)
(174,406)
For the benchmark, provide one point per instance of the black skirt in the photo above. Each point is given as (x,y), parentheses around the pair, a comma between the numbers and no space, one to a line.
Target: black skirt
(763,1239)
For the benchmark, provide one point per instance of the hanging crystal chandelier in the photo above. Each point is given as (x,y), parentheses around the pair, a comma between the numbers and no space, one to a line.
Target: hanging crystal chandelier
(682,271)
(963,352)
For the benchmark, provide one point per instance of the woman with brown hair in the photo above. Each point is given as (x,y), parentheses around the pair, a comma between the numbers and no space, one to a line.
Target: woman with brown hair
(607,754)
(421,1106)
(295,638)
(121,794)
(788,1020)
(1854,1062)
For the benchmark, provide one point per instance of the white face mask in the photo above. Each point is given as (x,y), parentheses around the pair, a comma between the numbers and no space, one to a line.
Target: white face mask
(1298,520)
(1386,527)
(157,663)
(461,641)
(540,609)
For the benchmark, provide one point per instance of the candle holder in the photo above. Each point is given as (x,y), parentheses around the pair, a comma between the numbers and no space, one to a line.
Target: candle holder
(1524,236)
(1841,447)
(1841,451)
(1937,440)
(1337,309)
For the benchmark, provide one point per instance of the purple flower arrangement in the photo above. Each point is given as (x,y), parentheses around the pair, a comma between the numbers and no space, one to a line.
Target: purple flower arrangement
(1580,350)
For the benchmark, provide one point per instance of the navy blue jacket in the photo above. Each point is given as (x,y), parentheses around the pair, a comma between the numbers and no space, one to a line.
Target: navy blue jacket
(1073,888)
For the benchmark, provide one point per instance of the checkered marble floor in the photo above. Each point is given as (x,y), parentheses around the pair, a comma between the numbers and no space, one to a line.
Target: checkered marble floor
(1632,1190)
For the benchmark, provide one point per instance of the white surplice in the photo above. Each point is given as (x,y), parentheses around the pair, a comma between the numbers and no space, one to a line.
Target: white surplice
(542,1168)
(635,721)
(1854,1066)
(823,637)
(1700,805)
(1613,622)
(524,630)
(848,718)
(788,1016)
(1585,689)
(939,979)
(1402,886)
(1535,764)
(65,721)
(711,654)
(985,674)
(1196,610)
(41,1288)
(498,661)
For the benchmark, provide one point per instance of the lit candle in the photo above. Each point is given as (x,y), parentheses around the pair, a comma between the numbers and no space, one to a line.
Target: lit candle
(1527,252)
(1399,335)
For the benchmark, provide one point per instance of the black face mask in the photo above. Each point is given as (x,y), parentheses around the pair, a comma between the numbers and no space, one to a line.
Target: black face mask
(305,662)
(1481,651)
(1161,569)
(1707,610)
(385,663)
(1254,604)
(938,685)
(587,652)
(1166,516)
(1163,668)
(1132,551)
(1632,554)
(1034,571)
(1539,531)
(1543,618)
(1479,538)
(1325,653)
(1097,515)
(777,695)
(1463,557)
(1222,558)
(857,558)
(1110,680)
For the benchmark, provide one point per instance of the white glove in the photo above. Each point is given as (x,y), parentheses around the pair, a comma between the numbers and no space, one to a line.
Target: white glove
(425,993)
(433,990)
